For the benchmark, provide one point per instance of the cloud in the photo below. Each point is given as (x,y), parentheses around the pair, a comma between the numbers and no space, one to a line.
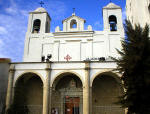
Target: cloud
(97,25)
(12,34)
(11,10)
(1,42)
(3,30)
(57,9)
(1,48)
(13,26)
(24,12)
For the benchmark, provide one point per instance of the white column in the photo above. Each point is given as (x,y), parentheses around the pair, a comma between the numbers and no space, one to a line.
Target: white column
(86,90)
(10,86)
(50,102)
(90,100)
(126,110)
(46,89)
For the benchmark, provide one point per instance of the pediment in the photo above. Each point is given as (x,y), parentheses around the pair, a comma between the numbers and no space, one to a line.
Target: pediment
(72,17)
(112,6)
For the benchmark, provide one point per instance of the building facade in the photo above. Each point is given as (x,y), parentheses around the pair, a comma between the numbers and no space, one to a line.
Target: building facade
(69,71)
(4,71)
(138,12)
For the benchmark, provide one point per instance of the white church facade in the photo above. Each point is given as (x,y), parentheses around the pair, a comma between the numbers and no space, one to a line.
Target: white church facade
(69,71)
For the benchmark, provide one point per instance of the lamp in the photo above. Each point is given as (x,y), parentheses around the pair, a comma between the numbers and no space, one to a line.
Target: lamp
(43,58)
(49,56)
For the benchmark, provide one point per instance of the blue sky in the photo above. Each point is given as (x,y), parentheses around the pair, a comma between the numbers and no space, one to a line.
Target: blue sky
(14,19)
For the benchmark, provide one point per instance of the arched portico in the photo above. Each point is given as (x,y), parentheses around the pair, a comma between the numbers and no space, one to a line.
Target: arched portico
(63,73)
(106,72)
(106,88)
(28,93)
(29,72)
(67,95)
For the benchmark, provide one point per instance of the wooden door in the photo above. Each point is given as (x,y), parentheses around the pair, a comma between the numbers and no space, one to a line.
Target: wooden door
(72,105)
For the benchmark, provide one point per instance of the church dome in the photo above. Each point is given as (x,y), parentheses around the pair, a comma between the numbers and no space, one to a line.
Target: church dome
(40,9)
(112,6)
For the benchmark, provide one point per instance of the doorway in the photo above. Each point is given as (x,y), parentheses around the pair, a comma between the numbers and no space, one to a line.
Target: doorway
(72,105)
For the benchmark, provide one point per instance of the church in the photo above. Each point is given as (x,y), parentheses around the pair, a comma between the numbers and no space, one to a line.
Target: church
(69,71)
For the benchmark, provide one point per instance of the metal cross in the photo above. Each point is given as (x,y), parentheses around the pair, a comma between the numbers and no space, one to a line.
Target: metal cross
(67,57)
(74,10)
(42,3)
(110,1)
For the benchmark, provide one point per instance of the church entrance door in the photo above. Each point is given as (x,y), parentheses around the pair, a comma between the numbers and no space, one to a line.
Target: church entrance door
(72,105)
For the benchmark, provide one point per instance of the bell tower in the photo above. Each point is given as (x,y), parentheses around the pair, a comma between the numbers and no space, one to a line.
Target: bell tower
(39,21)
(38,25)
(73,23)
(112,17)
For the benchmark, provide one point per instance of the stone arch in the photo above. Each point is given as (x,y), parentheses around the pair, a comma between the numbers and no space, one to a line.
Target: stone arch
(106,89)
(36,26)
(67,93)
(60,74)
(28,93)
(110,73)
(113,22)
(73,24)
(26,72)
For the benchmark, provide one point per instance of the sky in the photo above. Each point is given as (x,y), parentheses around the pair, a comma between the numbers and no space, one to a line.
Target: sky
(14,19)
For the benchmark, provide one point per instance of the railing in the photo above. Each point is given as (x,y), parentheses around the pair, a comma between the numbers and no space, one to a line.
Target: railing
(107,110)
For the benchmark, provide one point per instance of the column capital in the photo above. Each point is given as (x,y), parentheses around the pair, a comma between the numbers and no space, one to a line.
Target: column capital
(87,68)
(87,65)
(11,70)
(48,69)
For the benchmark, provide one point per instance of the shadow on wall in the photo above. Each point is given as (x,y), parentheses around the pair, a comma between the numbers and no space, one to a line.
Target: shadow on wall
(4,72)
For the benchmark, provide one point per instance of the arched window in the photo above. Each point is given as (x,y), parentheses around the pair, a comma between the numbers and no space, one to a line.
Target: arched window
(113,23)
(36,26)
(73,24)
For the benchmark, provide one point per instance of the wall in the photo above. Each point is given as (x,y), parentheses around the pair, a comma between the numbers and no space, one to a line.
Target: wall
(78,45)
(4,70)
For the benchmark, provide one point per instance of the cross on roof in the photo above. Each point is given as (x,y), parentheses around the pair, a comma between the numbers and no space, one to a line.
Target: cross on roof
(41,3)
(74,10)
(110,1)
